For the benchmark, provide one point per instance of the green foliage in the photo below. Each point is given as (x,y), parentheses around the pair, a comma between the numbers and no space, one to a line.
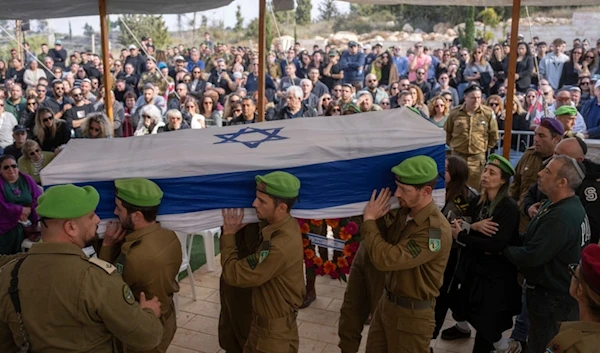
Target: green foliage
(88,30)
(144,25)
(467,37)
(270,30)
(70,31)
(489,17)
(204,23)
(239,20)
(303,9)
(328,10)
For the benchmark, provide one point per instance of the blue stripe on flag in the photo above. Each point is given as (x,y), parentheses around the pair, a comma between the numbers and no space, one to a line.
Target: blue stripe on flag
(324,185)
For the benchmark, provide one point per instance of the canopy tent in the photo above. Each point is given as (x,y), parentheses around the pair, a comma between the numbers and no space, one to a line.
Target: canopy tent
(29,9)
(339,161)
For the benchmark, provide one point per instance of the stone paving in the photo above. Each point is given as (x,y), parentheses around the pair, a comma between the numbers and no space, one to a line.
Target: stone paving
(317,325)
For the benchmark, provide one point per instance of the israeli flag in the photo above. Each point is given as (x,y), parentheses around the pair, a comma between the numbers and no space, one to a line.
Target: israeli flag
(339,161)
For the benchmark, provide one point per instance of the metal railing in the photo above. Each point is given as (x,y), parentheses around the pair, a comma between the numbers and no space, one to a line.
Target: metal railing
(520,141)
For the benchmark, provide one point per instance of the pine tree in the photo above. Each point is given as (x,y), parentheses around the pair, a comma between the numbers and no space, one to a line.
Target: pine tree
(204,23)
(88,30)
(303,9)
(70,31)
(144,25)
(328,10)
(468,38)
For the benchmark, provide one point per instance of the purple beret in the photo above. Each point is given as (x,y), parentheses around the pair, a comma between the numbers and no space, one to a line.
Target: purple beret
(553,125)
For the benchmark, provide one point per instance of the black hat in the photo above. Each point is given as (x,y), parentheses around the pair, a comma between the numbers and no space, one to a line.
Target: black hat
(582,144)
(472,88)
(19,128)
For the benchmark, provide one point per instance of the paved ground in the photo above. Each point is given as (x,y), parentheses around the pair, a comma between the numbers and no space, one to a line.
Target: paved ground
(317,325)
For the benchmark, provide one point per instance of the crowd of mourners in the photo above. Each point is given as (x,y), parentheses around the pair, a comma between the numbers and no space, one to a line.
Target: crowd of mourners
(51,96)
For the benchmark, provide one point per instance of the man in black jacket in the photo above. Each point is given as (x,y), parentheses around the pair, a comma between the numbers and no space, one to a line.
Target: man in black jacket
(58,54)
(294,107)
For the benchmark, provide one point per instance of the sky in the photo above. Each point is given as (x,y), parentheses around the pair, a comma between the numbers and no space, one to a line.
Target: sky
(227,14)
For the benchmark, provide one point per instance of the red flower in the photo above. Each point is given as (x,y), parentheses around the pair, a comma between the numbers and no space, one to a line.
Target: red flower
(345,270)
(305,228)
(309,254)
(350,259)
(347,250)
(351,228)
(334,275)
(305,242)
(309,263)
(344,235)
(329,267)
(342,262)
(354,246)
(333,223)
(316,222)
(319,271)
(318,261)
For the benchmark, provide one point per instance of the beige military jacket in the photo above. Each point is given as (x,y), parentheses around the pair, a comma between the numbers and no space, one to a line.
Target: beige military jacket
(275,271)
(72,304)
(576,337)
(415,254)
(468,134)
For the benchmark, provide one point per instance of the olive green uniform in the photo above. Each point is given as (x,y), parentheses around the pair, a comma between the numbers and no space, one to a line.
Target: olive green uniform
(414,259)
(526,173)
(236,302)
(576,337)
(149,260)
(363,291)
(72,304)
(277,275)
(470,136)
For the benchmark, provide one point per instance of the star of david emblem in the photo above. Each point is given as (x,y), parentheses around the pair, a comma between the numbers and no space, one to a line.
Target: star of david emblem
(251,137)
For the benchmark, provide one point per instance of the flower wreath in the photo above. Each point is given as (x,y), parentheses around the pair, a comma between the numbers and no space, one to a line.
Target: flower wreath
(346,229)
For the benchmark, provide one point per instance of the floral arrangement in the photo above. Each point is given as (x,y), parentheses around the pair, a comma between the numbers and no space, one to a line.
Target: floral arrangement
(345,229)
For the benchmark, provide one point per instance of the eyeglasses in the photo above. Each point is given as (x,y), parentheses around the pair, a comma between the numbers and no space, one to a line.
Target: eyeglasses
(34,152)
(237,111)
(589,56)
(95,129)
(326,98)
(385,103)
(13,166)
(336,110)
(190,106)
(440,106)
(77,95)
(584,83)
(31,103)
(493,104)
(146,117)
(47,119)
(573,270)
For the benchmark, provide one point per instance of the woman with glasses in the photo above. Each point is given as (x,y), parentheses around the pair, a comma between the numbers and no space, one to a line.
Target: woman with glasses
(175,121)
(587,90)
(497,104)
(151,120)
(393,92)
(116,68)
(334,109)
(18,200)
(590,62)
(385,104)
(498,62)
(478,71)
(323,104)
(96,126)
(582,335)
(49,132)
(572,68)
(384,68)
(27,117)
(418,99)
(191,107)
(439,109)
(489,295)
(236,117)
(208,109)
(33,159)
(198,84)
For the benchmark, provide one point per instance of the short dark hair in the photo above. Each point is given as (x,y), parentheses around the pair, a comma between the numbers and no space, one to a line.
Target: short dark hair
(149,213)
(431,183)
(288,202)
(247,98)
(7,156)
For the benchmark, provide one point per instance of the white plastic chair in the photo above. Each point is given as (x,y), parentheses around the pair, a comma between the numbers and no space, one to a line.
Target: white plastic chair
(186,241)
(209,246)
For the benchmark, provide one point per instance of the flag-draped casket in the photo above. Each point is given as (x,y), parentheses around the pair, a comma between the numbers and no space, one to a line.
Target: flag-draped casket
(339,161)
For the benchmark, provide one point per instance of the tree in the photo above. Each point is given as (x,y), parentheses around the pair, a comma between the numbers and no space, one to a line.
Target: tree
(88,30)
(467,37)
(303,9)
(70,31)
(144,25)
(328,10)
(490,18)
(239,20)
(204,23)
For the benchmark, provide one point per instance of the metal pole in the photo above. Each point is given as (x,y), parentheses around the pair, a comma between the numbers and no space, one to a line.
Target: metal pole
(512,70)
(105,55)
(19,33)
(262,20)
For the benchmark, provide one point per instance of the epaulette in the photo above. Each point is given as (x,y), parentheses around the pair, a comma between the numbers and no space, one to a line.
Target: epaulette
(106,266)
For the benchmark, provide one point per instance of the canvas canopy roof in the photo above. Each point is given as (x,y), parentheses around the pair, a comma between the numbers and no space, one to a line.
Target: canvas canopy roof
(27,9)
(476,2)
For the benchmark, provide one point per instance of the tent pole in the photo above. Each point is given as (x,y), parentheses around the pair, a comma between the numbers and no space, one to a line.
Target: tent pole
(105,64)
(262,55)
(19,32)
(512,70)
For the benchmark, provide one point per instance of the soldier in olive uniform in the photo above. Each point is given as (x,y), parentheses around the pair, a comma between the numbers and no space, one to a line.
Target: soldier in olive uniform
(582,336)
(147,255)
(472,129)
(236,302)
(413,258)
(275,270)
(67,301)
(152,76)
(547,135)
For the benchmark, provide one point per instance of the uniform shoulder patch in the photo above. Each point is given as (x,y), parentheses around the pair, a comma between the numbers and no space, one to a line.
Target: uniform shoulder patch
(413,248)
(106,266)
(435,239)
(260,256)
(128,295)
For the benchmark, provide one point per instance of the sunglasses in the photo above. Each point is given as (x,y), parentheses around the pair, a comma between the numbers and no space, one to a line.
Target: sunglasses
(13,166)
(32,153)
(77,95)
(440,106)
(190,106)
(584,83)
(237,111)
(146,117)
(95,129)
(336,110)
(47,119)
(494,104)
(589,57)
(31,103)
(385,103)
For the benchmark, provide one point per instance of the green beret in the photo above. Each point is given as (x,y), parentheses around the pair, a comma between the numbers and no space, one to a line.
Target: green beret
(279,184)
(566,110)
(416,170)
(415,110)
(502,163)
(139,192)
(67,202)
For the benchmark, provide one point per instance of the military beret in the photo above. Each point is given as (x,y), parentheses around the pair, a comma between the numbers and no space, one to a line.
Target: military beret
(67,202)
(415,110)
(279,184)
(472,88)
(502,163)
(590,266)
(566,110)
(416,170)
(139,192)
(553,125)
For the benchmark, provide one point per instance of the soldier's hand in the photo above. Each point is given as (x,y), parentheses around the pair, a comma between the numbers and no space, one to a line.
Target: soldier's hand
(485,226)
(232,220)
(533,209)
(378,205)
(153,304)
(114,234)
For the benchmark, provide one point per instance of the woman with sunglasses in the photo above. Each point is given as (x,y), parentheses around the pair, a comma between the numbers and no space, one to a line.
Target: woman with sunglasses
(96,126)
(198,84)
(33,159)
(582,335)
(191,107)
(497,61)
(590,61)
(439,109)
(151,120)
(334,109)
(385,69)
(489,294)
(18,200)
(208,109)
(49,132)
(572,68)
(323,104)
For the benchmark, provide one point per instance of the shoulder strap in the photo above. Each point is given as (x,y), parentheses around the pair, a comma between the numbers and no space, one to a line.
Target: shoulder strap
(13,292)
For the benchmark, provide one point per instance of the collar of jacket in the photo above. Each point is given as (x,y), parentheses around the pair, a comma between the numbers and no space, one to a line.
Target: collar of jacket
(56,248)
(138,234)
(268,230)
